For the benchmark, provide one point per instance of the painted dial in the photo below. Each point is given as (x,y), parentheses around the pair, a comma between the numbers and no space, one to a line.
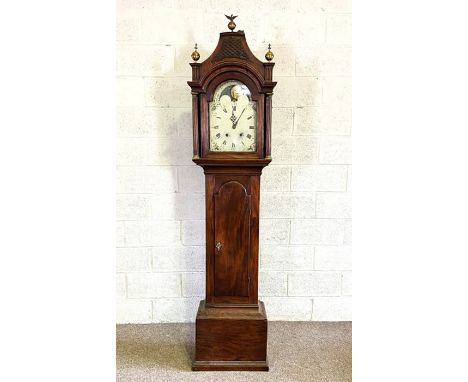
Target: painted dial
(232,118)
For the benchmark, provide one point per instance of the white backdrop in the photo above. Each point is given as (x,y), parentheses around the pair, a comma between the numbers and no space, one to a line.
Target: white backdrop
(305,227)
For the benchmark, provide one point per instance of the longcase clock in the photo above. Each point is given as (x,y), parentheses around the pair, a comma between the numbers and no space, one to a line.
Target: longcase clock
(231,109)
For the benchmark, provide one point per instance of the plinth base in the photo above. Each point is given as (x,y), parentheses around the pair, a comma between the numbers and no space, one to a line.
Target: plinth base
(231,339)
(230,366)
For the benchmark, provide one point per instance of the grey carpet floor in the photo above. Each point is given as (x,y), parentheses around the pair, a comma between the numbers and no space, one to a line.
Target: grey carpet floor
(297,351)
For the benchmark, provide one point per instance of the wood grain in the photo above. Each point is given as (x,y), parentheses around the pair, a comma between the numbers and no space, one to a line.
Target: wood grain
(232,234)
(231,325)
(231,338)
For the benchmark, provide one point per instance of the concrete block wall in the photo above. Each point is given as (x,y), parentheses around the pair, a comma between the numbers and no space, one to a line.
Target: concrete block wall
(305,256)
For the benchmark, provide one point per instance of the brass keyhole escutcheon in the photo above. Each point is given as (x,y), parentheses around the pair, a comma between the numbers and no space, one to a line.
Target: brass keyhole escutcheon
(218,246)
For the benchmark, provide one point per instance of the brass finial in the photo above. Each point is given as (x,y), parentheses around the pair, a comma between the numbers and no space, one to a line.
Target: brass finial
(231,24)
(195,54)
(269,55)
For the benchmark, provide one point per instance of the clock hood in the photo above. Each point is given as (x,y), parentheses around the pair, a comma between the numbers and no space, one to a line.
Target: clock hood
(232,53)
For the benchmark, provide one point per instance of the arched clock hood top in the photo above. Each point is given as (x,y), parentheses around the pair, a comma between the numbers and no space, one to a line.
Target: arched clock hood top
(232,54)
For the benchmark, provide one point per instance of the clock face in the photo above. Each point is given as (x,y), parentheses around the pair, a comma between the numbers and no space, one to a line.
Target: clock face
(233,118)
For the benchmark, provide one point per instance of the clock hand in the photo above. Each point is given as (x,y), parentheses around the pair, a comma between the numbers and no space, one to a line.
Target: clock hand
(233,117)
(235,123)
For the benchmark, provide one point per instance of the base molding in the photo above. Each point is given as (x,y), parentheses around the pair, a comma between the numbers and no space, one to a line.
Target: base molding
(231,338)
(230,366)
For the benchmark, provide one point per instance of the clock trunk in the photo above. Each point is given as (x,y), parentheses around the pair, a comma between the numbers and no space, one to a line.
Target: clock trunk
(232,206)
(231,234)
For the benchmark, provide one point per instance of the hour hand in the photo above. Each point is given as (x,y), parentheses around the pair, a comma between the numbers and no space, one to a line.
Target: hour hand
(235,123)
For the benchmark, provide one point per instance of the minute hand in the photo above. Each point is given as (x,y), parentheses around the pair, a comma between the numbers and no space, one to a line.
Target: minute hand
(237,120)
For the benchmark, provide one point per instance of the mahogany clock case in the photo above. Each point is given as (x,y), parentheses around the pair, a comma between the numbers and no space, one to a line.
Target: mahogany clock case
(231,60)
(231,323)
(256,96)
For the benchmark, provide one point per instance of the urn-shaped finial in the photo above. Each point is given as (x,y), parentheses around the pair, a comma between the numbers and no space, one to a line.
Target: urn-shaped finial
(269,55)
(195,54)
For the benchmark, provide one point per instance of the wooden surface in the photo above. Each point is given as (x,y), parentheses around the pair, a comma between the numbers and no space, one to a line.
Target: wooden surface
(232,218)
(231,338)
(231,233)
(231,61)
(230,366)
(231,328)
